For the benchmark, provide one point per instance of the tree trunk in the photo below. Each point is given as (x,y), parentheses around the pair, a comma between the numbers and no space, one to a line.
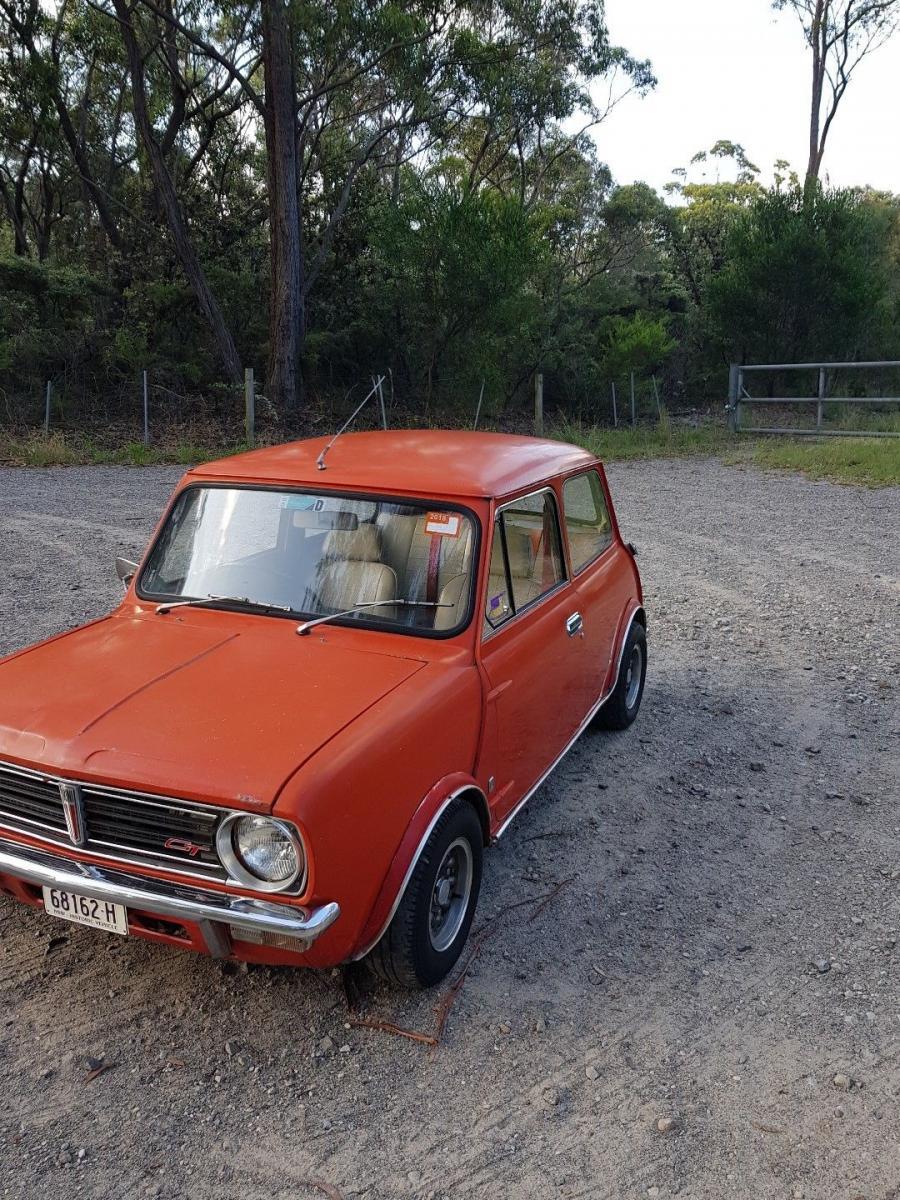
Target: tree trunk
(16,218)
(85,175)
(286,307)
(818,39)
(184,247)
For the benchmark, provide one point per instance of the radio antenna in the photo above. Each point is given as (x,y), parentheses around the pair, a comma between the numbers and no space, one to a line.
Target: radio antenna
(320,461)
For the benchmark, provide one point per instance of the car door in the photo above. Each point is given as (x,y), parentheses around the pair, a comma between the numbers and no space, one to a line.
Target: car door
(531,651)
(600,583)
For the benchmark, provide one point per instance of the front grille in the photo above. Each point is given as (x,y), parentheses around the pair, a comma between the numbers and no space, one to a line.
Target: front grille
(138,828)
(31,801)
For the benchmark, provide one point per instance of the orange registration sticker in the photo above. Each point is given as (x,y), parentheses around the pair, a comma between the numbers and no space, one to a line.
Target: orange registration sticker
(445,524)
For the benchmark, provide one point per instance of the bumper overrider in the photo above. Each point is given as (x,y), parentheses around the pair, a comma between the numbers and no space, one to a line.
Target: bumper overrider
(218,916)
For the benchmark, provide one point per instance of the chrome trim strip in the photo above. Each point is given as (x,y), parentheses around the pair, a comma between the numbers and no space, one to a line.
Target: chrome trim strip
(412,865)
(165,899)
(17,770)
(174,802)
(214,870)
(538,491)
(581,728)
(161,864)
(61,839)
(149,798)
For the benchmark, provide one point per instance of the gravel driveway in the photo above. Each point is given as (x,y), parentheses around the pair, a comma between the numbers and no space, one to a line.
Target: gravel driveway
(708,1006)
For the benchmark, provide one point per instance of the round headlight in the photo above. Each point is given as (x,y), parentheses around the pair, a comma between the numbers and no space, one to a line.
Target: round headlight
(261,852)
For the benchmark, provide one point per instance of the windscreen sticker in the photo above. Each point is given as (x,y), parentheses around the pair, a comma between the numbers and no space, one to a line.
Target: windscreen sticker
(496,602)
(444,524)
(296,503)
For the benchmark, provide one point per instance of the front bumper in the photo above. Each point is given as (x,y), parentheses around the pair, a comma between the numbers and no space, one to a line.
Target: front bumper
(214,913)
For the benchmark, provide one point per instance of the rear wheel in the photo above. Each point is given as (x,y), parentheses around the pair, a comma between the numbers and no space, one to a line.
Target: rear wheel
(431,924)
(623,704)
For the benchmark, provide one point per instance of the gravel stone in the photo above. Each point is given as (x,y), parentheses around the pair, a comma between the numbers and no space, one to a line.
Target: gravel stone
(796,574)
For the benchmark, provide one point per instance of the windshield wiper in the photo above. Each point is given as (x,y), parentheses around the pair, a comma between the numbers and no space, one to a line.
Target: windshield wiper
(244,601)
(347,612)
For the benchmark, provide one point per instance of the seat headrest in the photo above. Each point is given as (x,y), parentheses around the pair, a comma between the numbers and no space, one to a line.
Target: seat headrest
(519,549)
(362,544)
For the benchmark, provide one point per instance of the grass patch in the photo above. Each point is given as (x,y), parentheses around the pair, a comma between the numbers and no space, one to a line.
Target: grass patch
(662,440)
(870,462)
(35,450)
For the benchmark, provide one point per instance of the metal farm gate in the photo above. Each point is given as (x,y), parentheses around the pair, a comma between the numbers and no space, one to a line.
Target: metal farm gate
(738,396)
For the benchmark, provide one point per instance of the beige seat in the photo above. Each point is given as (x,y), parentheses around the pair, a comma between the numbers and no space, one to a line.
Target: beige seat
(586,542)
(451,570)
(522,567)
(351,572)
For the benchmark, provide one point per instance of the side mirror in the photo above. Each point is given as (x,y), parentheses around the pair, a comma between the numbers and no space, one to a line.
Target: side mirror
(125,570)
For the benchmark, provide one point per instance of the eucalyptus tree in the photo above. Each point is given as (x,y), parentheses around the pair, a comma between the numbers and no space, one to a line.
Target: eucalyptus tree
(58,85)
(344,89)
(840,34)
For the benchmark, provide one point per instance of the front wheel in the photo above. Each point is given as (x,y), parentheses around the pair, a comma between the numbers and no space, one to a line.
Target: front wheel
(431,924)
(622,706)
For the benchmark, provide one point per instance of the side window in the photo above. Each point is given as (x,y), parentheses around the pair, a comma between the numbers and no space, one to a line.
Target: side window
(588,526)
(526,557)
(498,606)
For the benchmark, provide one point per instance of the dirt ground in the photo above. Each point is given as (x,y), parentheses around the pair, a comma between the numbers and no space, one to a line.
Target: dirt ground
(708,1007)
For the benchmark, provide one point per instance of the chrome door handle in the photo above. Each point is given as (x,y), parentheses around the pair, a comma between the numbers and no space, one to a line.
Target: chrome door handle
(574,624)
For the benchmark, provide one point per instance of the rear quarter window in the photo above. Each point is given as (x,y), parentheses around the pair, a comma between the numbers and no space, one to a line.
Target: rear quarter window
(588,526)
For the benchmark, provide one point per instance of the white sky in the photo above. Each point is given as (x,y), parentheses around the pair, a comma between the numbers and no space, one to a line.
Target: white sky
(735,69)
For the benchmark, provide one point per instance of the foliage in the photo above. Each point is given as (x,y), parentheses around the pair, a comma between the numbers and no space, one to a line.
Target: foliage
(792,246)
(454,225)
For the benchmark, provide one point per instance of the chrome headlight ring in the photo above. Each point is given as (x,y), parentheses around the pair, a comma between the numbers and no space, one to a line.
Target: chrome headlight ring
(240,874)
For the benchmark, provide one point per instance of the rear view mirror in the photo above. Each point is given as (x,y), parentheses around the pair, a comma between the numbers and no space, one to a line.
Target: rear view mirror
(313,519)
(125,570)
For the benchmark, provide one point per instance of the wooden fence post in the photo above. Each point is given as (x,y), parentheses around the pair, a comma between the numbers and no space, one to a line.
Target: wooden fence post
(538,405)
(47,411)
(146,414)
(249,408)
(658,404)
(632,399)
(615,407)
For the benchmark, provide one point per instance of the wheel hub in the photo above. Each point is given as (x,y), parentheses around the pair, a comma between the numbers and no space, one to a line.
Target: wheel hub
(633,676)
(450,894)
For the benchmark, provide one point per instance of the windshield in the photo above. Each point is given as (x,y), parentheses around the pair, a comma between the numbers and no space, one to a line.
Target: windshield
(316,554)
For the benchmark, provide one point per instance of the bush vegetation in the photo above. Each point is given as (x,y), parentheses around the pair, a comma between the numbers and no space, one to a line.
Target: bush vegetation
(324,192)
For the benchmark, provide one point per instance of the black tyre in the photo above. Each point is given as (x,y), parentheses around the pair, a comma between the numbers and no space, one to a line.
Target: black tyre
(622,706)
(432,922)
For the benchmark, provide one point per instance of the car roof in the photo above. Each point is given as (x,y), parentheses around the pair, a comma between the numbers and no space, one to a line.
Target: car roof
(410,461)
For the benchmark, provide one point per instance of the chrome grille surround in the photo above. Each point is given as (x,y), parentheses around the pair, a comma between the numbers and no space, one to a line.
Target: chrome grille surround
(117,823)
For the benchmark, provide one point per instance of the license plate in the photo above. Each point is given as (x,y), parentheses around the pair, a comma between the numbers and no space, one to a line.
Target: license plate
(99,914)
